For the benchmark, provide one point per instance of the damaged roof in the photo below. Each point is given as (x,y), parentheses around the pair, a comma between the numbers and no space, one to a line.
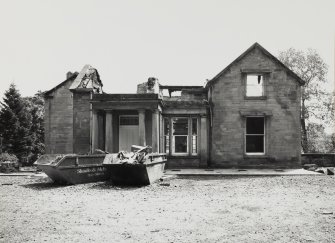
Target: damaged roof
(264,51)
(87,74)
(87,78)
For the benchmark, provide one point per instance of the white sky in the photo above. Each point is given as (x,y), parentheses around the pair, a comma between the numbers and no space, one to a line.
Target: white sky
(179,42)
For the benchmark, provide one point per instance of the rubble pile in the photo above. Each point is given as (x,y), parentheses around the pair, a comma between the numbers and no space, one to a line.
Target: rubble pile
(316,168)
(139,155)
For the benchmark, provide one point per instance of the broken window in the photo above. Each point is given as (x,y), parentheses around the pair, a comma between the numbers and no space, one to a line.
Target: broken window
(180,135)
(254,85)
(255,135)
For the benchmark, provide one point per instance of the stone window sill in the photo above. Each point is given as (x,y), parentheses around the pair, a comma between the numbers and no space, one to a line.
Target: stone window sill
(255,97)
(256,156)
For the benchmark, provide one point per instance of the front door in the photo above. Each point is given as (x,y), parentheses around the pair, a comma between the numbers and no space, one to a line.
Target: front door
(128,132)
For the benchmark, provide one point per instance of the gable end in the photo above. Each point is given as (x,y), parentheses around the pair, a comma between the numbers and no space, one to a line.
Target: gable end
(265,52)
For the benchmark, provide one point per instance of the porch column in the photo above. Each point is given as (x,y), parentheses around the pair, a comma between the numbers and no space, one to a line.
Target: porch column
(155,131)
(95,131)
(141,127)
(203,142)
(109,132)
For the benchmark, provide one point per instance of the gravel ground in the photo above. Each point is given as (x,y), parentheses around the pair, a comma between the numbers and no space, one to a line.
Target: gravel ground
(217,209)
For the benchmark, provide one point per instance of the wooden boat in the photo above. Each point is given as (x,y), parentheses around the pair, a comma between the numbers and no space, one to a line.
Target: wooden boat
(73,169)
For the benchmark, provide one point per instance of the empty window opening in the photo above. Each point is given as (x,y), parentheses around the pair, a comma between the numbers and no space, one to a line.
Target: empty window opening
(175,93)
(254,85)
(255,135)
(165,92)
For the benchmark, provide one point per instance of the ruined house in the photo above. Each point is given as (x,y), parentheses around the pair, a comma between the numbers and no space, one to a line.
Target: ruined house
(248,115)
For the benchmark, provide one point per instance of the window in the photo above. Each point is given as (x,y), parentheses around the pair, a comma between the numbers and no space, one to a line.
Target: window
(183,132)
(166,135)
(254,85)
(180,135)
(194,136)
(255,135)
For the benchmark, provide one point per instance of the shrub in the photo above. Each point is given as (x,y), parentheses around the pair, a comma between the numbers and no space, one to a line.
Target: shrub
(8,163)
(8,157)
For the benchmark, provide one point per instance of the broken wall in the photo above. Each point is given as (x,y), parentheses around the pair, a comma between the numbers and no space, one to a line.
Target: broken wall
(149,87)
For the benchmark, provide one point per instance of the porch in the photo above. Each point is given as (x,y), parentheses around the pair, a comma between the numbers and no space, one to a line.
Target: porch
(121,120)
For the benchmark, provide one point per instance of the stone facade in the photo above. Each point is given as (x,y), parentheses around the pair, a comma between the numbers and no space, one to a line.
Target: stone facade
(81,122)
(280,106)
(58,120)
(212,119)
(67,112)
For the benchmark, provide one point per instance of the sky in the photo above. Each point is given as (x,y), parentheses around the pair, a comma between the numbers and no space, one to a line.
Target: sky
(179,42)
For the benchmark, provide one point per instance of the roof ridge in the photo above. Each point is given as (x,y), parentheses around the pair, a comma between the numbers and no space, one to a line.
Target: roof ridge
(73,75)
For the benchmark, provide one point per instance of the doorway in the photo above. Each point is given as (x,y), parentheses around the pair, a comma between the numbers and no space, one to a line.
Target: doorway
(128,132)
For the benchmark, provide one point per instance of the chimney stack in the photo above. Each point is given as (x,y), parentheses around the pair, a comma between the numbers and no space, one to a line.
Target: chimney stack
(68,74)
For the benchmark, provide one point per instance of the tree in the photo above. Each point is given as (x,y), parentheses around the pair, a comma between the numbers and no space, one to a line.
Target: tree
(332,143)
(315,100)
(15,124)
(35,106)
(318,140)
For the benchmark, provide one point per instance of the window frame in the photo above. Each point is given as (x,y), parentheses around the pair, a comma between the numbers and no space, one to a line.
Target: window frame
(264,137)
(173,145)
(166,137)
(196,137)
(189,135)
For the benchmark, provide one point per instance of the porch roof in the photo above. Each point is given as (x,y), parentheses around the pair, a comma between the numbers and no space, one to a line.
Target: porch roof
(124,97)
(126,101)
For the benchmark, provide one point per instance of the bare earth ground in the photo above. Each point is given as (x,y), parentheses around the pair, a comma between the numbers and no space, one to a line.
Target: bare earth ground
(225,209)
